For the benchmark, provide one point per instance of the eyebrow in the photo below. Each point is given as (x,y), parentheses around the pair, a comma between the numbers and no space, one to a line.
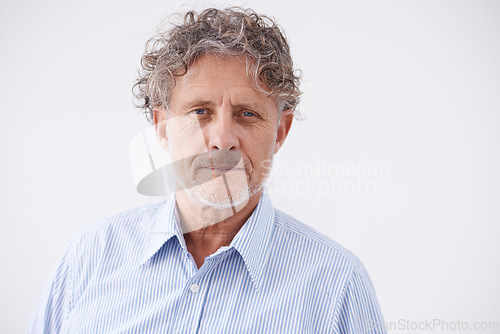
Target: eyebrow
(202,102)
(250,105)
(197,102)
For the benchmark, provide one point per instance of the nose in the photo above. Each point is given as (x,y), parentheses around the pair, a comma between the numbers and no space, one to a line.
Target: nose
(222,134)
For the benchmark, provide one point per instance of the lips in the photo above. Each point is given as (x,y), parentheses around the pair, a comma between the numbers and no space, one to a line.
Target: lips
(218,161)
(222,168)
(214,172)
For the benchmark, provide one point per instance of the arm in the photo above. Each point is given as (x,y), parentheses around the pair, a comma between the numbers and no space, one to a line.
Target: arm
(55,301)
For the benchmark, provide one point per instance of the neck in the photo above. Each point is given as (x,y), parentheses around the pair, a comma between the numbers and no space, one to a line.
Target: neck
(206,229)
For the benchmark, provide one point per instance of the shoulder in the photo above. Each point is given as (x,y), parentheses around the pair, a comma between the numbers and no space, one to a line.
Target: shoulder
(126,217)
(110,243)
(336,274)
(125,222)
(317,248)
(113,241)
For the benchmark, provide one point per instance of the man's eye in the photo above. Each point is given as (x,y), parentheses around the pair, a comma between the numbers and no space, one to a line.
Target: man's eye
(199,111)
(248,113)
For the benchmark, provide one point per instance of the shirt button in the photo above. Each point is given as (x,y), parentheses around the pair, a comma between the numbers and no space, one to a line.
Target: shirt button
(194,288)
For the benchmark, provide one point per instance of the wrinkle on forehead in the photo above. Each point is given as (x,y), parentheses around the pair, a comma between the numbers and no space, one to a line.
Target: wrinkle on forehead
(230,76)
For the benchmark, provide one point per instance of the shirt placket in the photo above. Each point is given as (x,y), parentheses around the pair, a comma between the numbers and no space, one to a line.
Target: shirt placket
(193,296)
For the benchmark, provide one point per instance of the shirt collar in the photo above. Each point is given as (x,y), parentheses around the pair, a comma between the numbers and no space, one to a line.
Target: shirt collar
(164,227)
(251,241)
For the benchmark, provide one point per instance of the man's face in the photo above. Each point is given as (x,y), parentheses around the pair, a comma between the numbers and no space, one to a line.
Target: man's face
(221,131)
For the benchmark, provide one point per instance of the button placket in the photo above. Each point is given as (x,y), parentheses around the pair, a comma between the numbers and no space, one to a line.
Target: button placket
(194,296)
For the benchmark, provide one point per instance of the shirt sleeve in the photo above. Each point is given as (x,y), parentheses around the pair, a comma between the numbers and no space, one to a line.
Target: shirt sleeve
(54,303)
(358,311)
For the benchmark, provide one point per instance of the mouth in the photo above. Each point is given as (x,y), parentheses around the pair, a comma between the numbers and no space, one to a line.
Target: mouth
(223,169)
(217,171)
(216,163)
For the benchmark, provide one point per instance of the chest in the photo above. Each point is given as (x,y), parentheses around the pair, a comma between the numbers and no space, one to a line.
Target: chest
(220,297)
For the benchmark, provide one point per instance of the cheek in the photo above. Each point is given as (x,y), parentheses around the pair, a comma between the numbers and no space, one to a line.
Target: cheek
(185,138)
(186,127)
(260,151)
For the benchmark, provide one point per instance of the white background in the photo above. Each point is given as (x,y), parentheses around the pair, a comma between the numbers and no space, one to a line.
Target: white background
(410,88)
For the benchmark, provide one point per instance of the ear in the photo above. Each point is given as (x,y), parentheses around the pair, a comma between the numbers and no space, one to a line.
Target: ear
(283,128)
(160,121)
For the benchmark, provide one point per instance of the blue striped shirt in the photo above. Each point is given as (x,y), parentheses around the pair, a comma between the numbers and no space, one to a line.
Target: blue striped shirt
(132,273)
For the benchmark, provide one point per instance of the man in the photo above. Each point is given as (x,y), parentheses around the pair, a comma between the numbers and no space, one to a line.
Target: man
(216,257)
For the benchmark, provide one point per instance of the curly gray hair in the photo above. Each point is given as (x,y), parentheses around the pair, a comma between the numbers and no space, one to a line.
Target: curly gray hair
(229,32)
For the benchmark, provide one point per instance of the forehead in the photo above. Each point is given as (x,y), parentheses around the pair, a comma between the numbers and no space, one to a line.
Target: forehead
(217,79)
(211,64)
